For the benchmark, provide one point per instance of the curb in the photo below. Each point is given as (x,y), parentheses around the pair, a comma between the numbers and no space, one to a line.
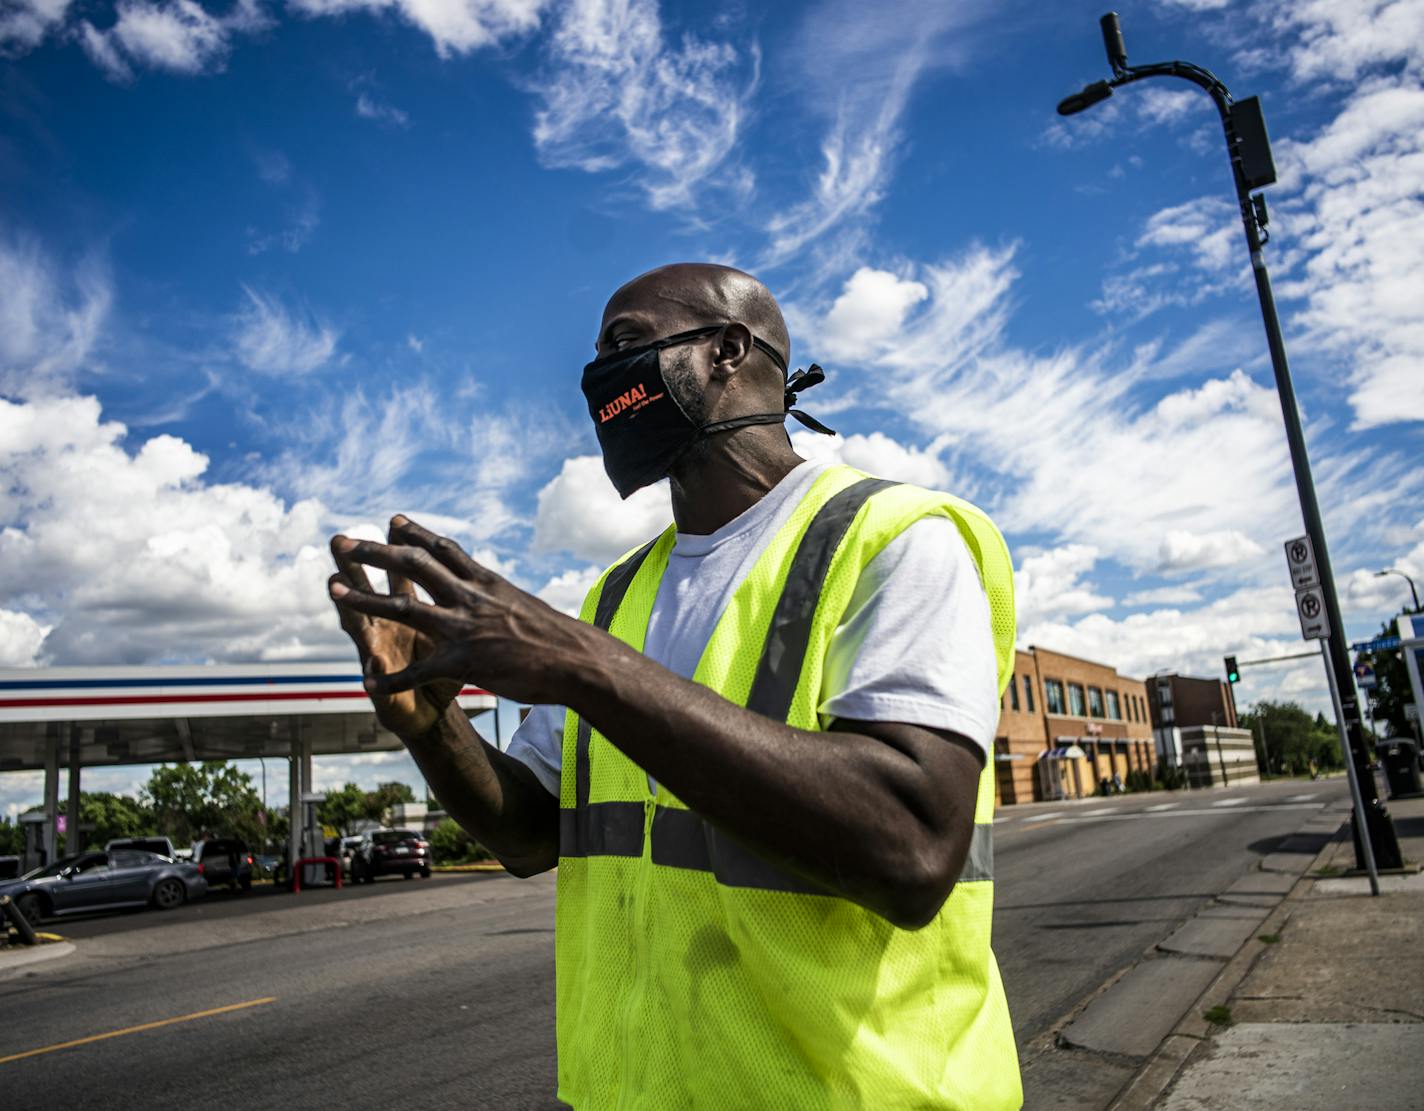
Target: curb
(13,963)
(1152,1080)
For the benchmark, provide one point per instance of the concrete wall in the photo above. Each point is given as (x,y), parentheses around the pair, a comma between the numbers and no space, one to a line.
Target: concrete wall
(1214,757)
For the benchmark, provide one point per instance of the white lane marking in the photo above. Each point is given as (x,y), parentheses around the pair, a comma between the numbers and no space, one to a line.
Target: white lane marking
(1301,798)
(1162,806)
(1001,821)
(1212,813)
(1230,802)
(1100,813)
(1044,817)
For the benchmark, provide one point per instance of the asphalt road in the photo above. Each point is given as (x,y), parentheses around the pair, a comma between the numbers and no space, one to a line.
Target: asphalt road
(439,993)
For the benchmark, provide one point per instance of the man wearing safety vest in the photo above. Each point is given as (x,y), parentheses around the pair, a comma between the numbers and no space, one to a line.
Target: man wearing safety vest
(758,759)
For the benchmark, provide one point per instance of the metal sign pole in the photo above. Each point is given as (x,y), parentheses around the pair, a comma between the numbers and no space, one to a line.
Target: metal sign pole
(1361,830)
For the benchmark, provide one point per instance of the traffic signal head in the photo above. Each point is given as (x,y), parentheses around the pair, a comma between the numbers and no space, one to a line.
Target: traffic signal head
(1233,673)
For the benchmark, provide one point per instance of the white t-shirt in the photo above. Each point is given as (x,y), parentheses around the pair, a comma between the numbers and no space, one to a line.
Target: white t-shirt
(914,646)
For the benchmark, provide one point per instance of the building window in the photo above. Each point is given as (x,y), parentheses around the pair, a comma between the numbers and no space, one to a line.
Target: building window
(1013,692)
(1053,695)
(1095,702)
(1076,706)
(1114,707)
(1028,693)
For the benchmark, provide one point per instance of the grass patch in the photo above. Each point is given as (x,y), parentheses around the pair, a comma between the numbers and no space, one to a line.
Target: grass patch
(1218,1015)
(476,866)
(1270,939)
(1329,870)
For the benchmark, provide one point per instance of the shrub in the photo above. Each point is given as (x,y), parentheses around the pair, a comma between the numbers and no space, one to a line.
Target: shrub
(452,845)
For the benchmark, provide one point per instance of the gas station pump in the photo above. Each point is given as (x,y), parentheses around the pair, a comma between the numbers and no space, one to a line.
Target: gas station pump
(313,844)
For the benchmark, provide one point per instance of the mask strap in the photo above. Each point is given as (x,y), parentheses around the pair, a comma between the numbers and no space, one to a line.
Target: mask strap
(804,380)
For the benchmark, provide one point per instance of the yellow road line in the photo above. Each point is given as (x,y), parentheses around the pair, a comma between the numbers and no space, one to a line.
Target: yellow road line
(138,1029)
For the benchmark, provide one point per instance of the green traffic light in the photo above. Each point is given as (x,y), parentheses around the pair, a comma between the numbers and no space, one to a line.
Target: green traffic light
(1233,673)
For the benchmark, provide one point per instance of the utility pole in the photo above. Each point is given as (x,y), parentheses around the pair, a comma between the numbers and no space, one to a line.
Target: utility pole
(1252,168)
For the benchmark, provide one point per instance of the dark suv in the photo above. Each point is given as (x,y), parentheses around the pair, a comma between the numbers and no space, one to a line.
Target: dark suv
(387,852)
(224,860)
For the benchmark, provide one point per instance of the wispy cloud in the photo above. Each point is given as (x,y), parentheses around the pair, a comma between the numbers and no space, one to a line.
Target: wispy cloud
(867,62)
(369,108)
(49,321)
(25,23)
(454,26)
(179,36)
(615,93)
(271,338)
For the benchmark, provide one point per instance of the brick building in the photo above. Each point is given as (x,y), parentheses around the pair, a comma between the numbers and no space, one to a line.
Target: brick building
(1194,728)
(1064,724)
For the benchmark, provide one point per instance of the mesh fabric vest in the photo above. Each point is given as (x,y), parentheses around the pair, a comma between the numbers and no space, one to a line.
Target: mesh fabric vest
(693,974)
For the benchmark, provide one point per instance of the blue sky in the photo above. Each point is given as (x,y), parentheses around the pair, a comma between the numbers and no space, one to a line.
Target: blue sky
(269,270)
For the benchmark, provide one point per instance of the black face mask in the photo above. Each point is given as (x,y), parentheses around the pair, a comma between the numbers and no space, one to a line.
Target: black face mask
(642,429)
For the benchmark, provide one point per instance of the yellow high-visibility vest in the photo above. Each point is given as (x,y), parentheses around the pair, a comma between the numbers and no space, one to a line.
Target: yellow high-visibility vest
(693,974)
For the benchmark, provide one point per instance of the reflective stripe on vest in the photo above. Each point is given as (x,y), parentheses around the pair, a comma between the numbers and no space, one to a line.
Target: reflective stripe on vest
(681,839)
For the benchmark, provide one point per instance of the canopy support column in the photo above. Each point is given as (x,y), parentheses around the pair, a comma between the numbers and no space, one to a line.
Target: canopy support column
(50,834)
(73,838)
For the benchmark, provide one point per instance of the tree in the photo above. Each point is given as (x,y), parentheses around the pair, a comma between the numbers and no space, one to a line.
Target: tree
(385,796)
(344,809)
(1293,739)
(111,816)
(12,838)
(452,845)
(1392,692)
(192,800)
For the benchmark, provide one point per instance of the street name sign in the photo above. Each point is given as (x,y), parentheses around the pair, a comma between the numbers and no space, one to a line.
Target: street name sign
(1300,558)
(1379,644)
(1310,606)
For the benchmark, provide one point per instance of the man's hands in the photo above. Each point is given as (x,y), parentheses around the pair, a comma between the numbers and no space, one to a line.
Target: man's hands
(387,646)
(481,629)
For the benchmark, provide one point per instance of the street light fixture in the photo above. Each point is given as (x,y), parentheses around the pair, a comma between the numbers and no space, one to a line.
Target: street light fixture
(1252,167)
(1412,591)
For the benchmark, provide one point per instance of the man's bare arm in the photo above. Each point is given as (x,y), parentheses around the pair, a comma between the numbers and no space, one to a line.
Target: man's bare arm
(880,813)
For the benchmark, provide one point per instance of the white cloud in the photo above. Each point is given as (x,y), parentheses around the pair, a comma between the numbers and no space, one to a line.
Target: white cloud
(24,23)
(566,591)
(1163,596)
(179,36)
(1363,229)
(580,513)
(1050,584)
(1208,228)
(1339,40)
(614,92)
(1181,550)
(869,312)
(20,639)
(879,455)
(454,26)
(48,323)
(272,339)
(1166,106)
(130,555)
(369,108)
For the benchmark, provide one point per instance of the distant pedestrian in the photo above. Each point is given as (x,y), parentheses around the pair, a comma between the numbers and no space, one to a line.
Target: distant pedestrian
(765,784)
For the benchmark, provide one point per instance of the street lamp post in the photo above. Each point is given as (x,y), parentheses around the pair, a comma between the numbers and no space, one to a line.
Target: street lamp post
(1413,593)
(1252,168)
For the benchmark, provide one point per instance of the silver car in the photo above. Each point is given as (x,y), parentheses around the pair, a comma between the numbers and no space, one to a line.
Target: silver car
(100,881)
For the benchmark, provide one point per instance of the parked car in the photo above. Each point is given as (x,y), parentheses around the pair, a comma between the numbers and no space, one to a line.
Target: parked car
(224,861)
(160,846)
(388,852)
(99,881)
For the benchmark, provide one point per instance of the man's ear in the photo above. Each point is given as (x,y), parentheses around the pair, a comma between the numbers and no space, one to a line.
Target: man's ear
(734,346)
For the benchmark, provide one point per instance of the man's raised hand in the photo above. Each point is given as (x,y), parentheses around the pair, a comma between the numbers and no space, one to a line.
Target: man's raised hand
(386,646)
(478,627)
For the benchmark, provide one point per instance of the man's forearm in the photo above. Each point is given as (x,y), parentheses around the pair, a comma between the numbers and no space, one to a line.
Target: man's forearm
(493,796)
(864,816)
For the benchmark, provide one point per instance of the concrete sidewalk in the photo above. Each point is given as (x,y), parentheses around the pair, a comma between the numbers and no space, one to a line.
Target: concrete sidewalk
(1331,1013)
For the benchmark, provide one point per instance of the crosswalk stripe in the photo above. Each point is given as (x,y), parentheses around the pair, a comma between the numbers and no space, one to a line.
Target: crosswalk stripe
(1100,813)
(1163,806)
(1043,817)
(1230,802)
(1302,798)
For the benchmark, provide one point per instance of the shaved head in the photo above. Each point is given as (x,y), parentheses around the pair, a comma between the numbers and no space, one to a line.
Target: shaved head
(687,295)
